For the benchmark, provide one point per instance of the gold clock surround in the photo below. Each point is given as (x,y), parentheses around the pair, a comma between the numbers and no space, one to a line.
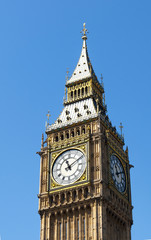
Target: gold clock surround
(113,151)
(84,179)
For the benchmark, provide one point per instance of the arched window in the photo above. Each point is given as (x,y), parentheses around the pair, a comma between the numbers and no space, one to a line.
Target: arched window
(74,195)
(67,135)
(86,90)
(86,192)
(75,94)
(78,92)
(82,91)
(72,134)
(78,132)
(83,130)
(68,196)
(56,138)
(51,199)
(57,199)
(80,194)
(62,198)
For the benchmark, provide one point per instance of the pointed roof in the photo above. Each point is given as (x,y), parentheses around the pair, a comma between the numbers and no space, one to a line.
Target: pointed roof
(75,112)
(84,68)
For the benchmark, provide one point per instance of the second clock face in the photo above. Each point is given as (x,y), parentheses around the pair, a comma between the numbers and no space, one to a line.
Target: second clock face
(117,173)
(69,167)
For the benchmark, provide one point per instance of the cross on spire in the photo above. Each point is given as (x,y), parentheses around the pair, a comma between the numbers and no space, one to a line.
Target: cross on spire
(67,72)
(121,127)
(84,32)
(48,116)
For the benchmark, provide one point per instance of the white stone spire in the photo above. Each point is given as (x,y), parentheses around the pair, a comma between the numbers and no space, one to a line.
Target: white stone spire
(84,68)
(84,108)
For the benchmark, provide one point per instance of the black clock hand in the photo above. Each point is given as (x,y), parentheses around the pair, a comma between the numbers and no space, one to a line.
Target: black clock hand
(116,170)
(117,173)
(72,164)
(69,166)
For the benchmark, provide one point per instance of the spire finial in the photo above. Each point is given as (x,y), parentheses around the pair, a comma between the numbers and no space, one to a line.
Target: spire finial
(84,32)
(67,72)
(48,116)
(121,127)
(102,80)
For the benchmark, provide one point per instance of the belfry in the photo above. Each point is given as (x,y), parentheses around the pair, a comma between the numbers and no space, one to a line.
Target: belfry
(84,191)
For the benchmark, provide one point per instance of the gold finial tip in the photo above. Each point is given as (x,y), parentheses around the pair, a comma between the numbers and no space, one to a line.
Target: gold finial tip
(84,31)
(67,74)
(48,116)
(121,127)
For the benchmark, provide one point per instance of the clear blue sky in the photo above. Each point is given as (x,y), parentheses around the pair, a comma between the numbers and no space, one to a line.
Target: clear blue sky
(38,41)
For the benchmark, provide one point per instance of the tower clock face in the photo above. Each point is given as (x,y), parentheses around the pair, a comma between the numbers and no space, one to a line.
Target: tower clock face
(118,174)
(69,167)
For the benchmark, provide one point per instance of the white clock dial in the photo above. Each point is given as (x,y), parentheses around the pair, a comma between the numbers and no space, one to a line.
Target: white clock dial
(69,167)
(117,173)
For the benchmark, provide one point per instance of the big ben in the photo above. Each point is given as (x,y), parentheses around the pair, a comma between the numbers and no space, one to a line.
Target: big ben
(84,191)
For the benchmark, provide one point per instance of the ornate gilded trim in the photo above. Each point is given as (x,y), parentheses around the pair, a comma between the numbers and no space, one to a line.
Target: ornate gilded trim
(69,187)
(85,176)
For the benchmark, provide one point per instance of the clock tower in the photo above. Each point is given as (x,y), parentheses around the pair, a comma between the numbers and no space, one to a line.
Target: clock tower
(84,191)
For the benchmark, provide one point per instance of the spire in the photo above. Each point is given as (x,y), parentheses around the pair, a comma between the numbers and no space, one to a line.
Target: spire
(84,68)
